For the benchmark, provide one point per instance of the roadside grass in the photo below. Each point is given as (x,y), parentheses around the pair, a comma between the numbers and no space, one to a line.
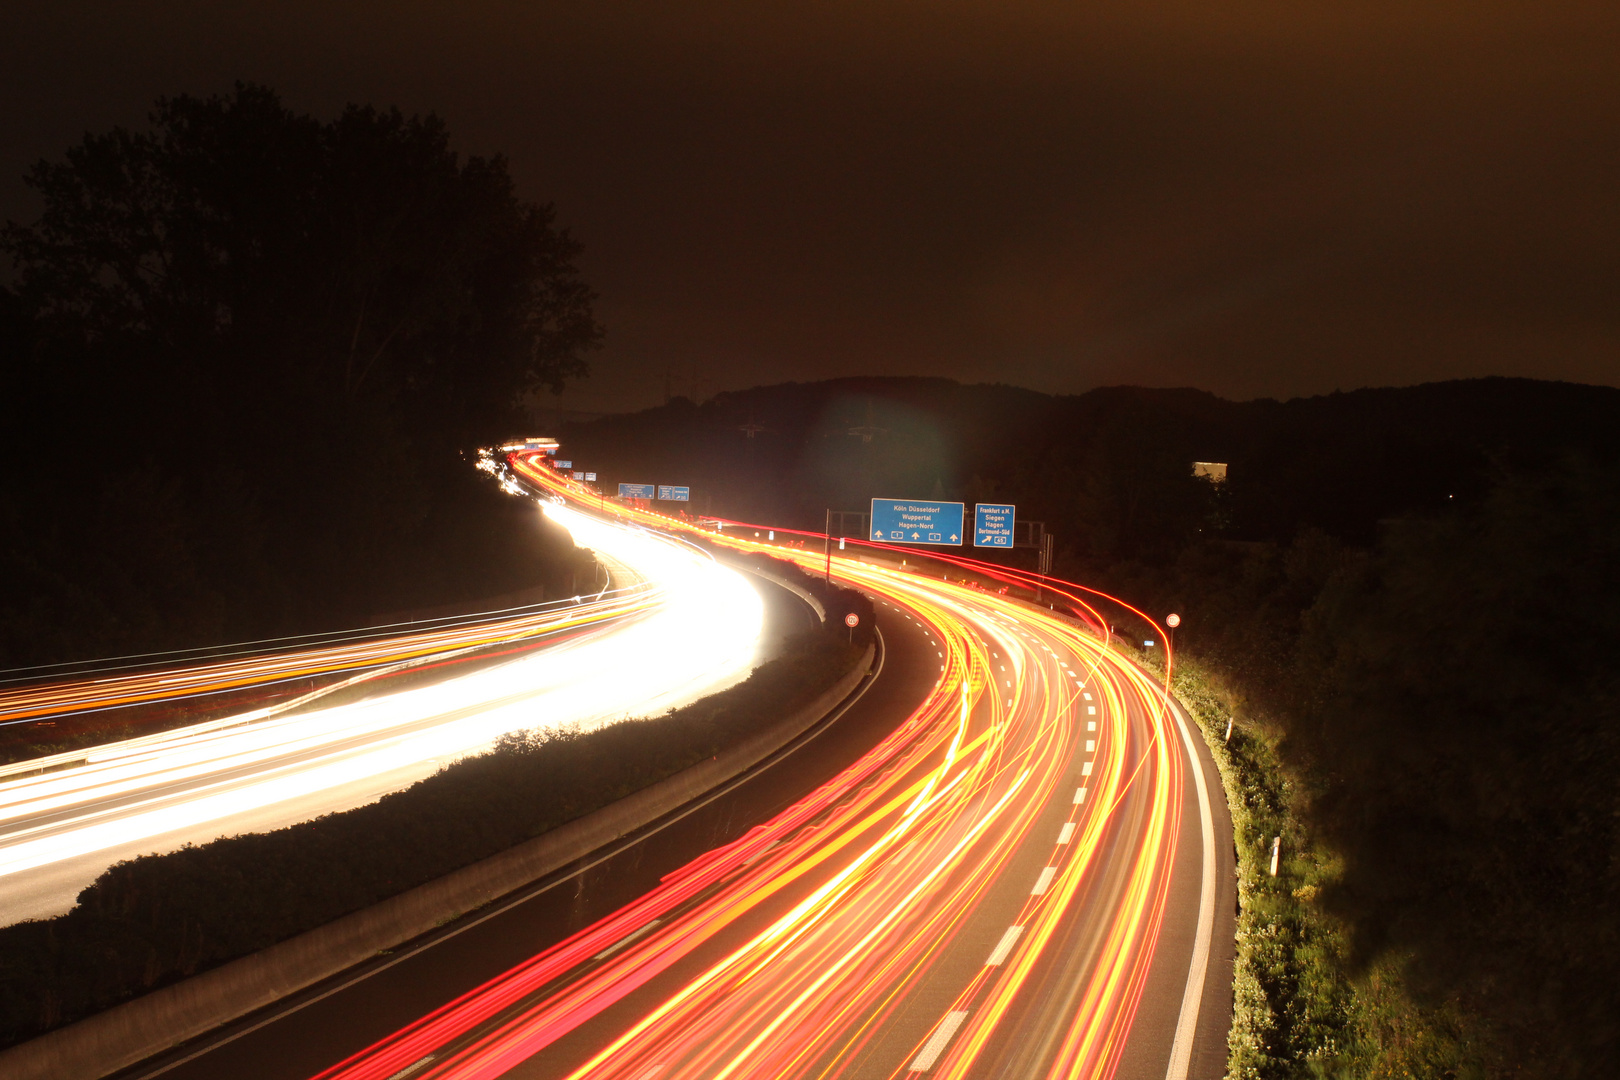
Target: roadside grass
(1299,1010)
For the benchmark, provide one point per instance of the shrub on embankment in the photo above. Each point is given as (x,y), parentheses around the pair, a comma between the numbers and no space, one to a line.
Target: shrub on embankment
(158,918)
(1431,727)
(1300,1008)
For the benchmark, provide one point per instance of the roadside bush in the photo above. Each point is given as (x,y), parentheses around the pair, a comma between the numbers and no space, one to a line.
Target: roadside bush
(158,918)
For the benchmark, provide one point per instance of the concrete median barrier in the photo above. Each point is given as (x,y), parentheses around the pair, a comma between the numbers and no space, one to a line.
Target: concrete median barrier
(139,1029)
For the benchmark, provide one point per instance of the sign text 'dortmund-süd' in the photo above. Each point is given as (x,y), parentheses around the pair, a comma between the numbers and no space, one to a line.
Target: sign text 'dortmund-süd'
(993,524)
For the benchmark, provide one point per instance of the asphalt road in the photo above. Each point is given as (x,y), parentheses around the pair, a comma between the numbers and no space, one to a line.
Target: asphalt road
(327,1023)
(59,829)
(919,889)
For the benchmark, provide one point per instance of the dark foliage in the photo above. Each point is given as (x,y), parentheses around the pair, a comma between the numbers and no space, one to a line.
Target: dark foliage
(244,355)
(1418,587)
(158,918)
(1461,723)
(1108,471)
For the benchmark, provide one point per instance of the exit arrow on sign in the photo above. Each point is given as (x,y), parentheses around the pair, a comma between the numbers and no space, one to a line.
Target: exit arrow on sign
(918,521)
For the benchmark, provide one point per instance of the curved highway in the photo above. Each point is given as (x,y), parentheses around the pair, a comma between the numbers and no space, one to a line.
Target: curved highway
(1015,862)
(681,628)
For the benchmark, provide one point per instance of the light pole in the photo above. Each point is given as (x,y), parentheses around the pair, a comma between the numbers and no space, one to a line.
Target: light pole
(826,543)
(1171,621)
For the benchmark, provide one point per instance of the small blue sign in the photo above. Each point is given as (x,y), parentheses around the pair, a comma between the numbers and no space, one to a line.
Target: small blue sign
(578,475)
(563,464)
(908,521)
(590,478)
(669,493)
(637,491)
(993,525)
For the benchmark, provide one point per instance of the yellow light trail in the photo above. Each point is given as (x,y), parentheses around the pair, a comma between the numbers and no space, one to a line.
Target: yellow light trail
(1037,786)
(688,628)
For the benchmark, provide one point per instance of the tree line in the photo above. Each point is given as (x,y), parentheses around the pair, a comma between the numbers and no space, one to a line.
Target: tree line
(1414,593)
(244,360)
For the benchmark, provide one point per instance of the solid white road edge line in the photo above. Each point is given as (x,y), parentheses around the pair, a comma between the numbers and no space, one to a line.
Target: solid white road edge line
(1192,997)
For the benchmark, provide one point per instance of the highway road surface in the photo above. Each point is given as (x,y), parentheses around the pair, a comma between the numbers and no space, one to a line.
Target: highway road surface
(677,627)
(1007,858)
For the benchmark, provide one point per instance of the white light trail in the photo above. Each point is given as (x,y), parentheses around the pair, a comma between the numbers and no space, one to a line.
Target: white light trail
(696,630)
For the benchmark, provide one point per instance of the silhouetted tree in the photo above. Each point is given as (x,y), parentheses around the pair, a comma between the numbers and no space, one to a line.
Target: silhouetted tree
(288,328)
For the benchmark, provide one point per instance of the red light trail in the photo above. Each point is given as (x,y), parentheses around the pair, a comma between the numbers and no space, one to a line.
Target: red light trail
(1025,816)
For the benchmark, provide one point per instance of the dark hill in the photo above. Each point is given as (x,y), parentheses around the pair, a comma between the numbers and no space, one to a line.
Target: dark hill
(1108,470)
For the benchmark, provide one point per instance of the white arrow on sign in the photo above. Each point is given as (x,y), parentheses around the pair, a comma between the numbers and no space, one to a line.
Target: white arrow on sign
(954,538)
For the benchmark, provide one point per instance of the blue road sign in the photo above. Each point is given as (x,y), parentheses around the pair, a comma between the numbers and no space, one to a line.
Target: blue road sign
(637,491)
(590,478)
(578,475)
(993,525)
(907,521)
(563,464)
(669,493)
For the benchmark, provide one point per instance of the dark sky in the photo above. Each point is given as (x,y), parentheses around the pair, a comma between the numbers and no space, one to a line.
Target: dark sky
(1256,198)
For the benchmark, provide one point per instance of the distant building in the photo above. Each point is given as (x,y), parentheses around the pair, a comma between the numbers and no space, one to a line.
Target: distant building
(1213,471)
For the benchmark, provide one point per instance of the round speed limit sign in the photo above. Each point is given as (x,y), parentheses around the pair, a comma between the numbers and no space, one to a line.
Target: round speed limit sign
(852,620)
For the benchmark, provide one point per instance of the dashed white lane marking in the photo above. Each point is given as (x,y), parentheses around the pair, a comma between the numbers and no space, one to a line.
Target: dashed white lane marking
(1091,710)
(1079,796)
(412,1068)
(938,1041)
(1091,725)
(627,939)
(1004,947)
(1091,746)
(761,853)
(1088,697)
(1042,882)
(1068,831)
(1085,770)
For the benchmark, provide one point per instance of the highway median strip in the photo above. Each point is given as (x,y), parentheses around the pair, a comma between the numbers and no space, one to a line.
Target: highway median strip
(151,921)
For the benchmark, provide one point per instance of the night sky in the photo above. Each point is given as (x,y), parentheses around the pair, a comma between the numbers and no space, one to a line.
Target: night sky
(1259,199)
